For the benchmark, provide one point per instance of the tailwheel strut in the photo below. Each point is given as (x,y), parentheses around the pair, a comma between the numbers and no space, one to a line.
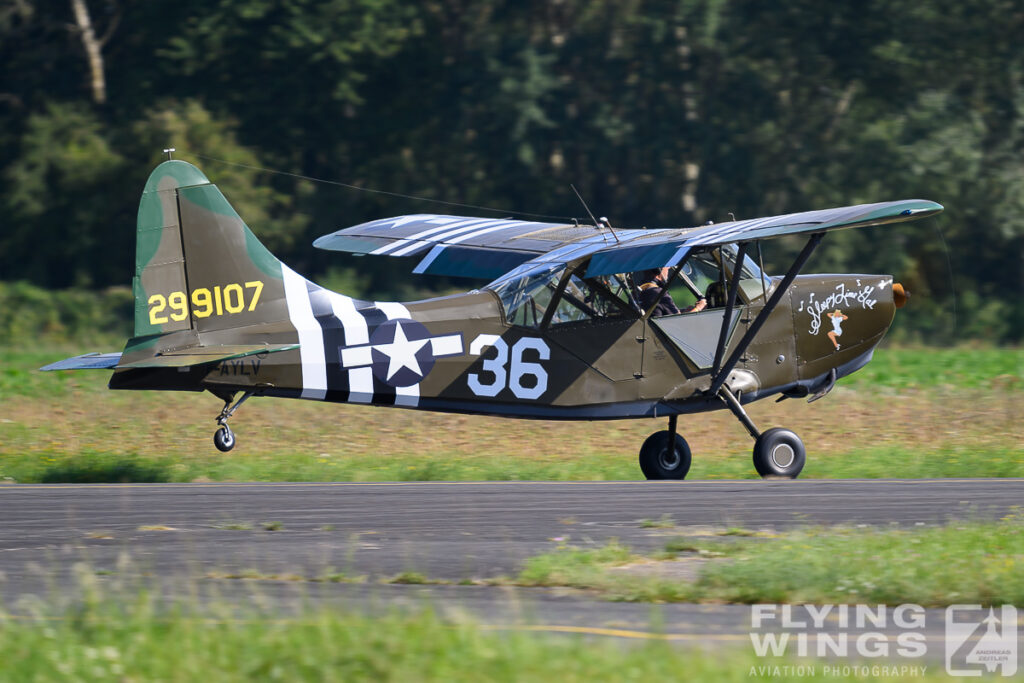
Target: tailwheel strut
(224,438)
(778,453)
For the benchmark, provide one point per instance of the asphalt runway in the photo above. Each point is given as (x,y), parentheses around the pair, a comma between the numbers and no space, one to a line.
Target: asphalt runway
(189,538)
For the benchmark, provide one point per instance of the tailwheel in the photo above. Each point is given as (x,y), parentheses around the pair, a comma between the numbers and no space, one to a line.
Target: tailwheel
(665,455)
(779,453)
(224,438)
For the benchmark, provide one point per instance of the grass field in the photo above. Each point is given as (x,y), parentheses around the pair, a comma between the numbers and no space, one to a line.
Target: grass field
(111,635)
(107,640)
(963,562)
(910,413)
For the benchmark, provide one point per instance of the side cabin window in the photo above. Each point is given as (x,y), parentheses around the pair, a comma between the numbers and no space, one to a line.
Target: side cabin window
(537,295)
(528,293)
(525,293)
(591,299)
(702,275)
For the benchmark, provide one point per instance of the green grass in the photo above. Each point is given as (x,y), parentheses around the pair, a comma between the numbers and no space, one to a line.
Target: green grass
(90,466)
(411,579)
(230,525)
(20,376)
(911,413)
(963,562)
(737,531)
(574,567)
(595,569)
(925,368)
(134,642)
(94,468)
(665,522)
(110,639)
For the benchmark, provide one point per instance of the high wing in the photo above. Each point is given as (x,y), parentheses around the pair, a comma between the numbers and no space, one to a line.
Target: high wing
(668,250)
(481,247)
(461,245)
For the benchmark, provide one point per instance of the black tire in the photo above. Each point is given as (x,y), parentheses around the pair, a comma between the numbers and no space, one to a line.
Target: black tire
(658,461)
(224,439)
(779,453)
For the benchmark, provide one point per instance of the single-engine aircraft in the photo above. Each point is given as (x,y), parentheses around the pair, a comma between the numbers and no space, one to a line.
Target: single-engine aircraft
(558,334)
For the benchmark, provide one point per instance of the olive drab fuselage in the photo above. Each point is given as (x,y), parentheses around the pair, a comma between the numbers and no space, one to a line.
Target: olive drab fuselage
(456,353)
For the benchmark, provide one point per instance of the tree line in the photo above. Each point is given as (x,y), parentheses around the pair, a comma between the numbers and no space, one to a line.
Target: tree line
(662,114)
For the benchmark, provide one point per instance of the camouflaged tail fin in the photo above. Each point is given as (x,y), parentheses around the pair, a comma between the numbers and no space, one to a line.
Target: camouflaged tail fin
(198,267)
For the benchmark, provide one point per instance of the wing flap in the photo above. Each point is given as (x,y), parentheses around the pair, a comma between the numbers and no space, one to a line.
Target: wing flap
(633,259)
(470,261)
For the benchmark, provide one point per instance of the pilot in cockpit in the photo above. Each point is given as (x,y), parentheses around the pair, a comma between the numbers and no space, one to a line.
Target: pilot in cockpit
(653,292)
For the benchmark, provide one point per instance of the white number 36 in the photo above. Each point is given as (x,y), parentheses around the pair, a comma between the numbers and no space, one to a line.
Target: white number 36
(513,376)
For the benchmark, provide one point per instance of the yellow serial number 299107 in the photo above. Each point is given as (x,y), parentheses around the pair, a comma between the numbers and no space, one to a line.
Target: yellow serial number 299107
(219,301)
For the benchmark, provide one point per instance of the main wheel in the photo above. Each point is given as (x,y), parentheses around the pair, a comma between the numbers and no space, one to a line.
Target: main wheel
(779,453)
(659,461)
(224,439)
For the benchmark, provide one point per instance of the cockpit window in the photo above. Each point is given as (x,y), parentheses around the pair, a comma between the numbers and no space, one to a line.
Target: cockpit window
(587,300)
(702,270)
(750,270)
(620,287)
(527,294)
(705,272)
(536,294)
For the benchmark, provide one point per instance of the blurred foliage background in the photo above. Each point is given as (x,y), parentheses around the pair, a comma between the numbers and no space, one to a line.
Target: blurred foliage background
(663,114)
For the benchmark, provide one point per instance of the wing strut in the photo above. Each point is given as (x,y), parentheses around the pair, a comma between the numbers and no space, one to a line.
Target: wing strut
(755,327)
(730,304)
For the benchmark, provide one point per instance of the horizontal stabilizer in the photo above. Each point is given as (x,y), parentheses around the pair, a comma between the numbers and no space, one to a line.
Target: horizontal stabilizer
(198,355)
(88,361)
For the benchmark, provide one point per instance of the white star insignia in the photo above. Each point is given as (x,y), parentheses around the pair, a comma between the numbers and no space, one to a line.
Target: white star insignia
(401,352)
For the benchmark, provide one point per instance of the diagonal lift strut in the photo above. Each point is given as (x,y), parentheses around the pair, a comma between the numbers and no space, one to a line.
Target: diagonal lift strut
(719,378)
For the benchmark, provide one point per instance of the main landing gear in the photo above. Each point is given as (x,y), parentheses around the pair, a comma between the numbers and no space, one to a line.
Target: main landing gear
(777,452)
(224,438)
(665,455)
